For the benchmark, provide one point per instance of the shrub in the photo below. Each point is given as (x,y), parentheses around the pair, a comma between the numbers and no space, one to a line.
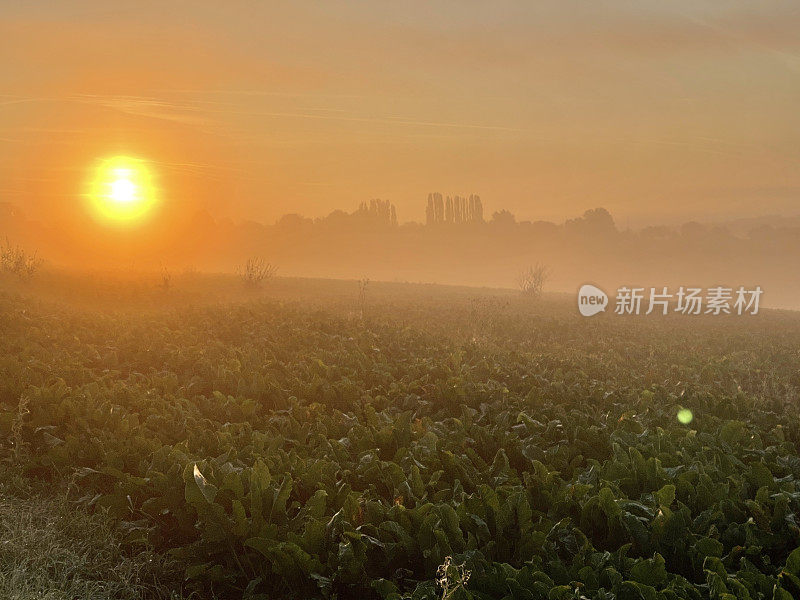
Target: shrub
(531,281)
(255,271)
(17,261)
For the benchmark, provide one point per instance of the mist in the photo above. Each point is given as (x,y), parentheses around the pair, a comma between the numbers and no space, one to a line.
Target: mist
(454,246)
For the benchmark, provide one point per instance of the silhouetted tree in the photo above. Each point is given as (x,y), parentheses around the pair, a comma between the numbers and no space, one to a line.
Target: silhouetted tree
(380,211)
(294,221)
(594,221)
(475,209)
(455,209)
(430,211)
(439,207)
(504,218)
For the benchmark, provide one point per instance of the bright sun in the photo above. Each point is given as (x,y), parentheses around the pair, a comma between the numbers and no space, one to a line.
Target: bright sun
(122,190)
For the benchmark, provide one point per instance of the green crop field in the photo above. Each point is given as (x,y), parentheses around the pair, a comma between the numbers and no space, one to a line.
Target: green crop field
(412,441)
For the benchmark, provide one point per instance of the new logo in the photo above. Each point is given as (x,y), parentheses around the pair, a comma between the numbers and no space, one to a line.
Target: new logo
(591,300)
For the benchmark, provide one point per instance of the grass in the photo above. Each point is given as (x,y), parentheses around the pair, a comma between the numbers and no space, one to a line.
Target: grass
(52,550)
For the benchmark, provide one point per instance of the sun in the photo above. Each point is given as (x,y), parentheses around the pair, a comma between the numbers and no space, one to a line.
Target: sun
(122,190)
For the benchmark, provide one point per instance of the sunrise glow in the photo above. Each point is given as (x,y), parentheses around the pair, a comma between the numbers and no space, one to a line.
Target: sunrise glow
(122,190)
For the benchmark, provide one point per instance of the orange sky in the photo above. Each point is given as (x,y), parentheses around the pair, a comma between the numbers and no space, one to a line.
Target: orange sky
(658,111)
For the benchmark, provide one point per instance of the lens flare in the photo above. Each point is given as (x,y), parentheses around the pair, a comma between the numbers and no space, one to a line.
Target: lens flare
(122,190)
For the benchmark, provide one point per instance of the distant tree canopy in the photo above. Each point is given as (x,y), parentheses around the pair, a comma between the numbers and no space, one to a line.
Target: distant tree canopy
(373,213)
(458,209)
(293,221)
(378,210)
(594,221)
(503,217)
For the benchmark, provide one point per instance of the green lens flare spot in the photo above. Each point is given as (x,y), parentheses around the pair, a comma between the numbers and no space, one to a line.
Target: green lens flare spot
(685,416)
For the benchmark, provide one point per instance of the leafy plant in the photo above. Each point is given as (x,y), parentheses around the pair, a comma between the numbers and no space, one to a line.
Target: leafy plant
(281,452)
